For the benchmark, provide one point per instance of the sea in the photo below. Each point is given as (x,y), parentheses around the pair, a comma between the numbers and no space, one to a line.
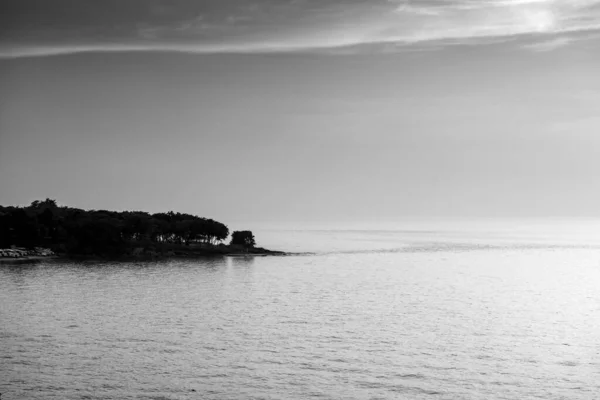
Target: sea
(453,310)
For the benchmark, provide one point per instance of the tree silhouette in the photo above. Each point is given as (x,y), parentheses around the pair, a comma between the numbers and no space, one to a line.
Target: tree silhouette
(72,230)
(243,238)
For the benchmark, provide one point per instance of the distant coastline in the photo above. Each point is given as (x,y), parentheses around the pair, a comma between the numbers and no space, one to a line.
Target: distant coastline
(45,230)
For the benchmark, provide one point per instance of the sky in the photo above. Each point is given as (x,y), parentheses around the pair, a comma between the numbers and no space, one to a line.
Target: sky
(334,111)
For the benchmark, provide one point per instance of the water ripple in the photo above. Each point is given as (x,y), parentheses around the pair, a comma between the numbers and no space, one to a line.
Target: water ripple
(503,324)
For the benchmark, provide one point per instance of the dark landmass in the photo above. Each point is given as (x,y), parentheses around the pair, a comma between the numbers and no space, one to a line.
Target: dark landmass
(44,229)
(178,252)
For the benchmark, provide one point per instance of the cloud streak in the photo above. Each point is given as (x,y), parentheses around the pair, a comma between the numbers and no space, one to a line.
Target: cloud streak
(38,28)
(549,45)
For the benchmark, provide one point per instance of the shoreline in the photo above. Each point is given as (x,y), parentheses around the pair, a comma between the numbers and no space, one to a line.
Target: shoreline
(142,257)
(28,259)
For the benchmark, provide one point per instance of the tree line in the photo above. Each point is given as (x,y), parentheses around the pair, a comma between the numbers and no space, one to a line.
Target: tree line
(73,230)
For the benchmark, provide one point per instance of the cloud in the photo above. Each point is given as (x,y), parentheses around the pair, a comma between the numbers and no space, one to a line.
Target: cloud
(549,45)
(39,27)
(410,9)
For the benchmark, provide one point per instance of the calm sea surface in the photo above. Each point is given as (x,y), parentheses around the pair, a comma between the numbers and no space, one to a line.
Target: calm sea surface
(506,313)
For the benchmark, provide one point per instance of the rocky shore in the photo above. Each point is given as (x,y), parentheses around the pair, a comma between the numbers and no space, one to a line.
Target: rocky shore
(19,254)
(188,252)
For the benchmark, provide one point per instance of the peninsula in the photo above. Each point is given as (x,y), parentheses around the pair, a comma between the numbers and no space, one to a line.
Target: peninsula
(73,232)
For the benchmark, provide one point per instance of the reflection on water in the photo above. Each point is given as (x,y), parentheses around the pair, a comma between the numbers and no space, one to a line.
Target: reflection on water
(241,261)
(446,324)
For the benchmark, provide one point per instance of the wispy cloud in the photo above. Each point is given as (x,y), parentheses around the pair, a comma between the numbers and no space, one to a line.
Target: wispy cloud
(484,18)
(549,45)
(212,26)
